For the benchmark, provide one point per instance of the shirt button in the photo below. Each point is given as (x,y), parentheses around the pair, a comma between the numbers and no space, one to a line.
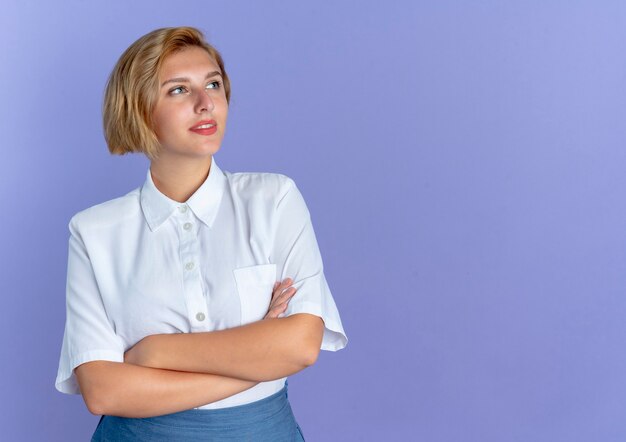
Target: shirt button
(187,226)
(189,265)
(200,316)
(182,209)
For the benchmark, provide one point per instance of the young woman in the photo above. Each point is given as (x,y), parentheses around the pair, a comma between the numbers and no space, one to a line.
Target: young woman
(192,298)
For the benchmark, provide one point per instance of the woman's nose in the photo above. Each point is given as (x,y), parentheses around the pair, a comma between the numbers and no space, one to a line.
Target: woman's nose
(204,103)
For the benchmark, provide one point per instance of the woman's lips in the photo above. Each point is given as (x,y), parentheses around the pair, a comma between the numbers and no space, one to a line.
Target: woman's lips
(208,127)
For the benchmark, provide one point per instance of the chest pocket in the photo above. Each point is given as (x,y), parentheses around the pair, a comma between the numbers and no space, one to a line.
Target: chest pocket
(254,285)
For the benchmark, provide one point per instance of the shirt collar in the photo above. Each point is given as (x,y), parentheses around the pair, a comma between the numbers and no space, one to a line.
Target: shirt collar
(204,203)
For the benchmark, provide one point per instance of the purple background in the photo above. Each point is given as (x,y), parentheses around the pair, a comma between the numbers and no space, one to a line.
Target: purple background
(465,169)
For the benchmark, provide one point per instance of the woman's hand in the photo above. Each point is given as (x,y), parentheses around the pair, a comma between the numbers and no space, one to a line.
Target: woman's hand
(143,352)
(282,294)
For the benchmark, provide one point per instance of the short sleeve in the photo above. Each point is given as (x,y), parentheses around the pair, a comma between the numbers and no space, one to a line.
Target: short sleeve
(297,256)
(88,334)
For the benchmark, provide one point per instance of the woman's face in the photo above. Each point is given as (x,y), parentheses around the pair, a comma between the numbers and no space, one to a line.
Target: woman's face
(191,108)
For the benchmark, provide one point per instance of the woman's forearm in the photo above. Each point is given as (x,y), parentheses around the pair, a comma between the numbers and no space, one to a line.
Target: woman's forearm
(262,351)
(127,390)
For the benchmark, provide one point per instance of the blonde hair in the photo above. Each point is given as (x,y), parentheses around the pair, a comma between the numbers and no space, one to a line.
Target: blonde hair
(131,91)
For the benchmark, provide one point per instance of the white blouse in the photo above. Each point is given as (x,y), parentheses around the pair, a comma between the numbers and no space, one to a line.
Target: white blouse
(145,264)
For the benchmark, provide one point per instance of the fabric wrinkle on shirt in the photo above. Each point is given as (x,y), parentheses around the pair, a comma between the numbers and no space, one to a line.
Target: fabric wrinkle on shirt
(145,264)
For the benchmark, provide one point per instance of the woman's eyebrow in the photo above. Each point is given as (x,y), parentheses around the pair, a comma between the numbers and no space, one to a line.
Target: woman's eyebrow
(186,80)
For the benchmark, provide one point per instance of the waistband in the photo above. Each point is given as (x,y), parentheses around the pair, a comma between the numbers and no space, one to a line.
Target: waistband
(222,418)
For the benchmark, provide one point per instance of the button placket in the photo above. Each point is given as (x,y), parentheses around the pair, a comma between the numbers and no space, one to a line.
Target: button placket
(189,254)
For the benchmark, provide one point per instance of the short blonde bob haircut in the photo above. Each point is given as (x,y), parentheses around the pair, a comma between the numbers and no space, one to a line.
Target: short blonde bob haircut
(132,88)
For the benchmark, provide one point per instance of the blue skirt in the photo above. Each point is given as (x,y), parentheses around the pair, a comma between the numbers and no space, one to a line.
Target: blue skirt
(269,419)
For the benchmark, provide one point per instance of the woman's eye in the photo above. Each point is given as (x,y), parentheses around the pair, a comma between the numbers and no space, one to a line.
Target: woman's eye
(177,90)
(213,85)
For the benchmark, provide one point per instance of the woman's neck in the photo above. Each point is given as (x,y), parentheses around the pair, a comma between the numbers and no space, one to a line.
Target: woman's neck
(179,179)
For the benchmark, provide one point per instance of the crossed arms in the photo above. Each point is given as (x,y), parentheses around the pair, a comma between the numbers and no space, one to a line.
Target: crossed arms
(167,373)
